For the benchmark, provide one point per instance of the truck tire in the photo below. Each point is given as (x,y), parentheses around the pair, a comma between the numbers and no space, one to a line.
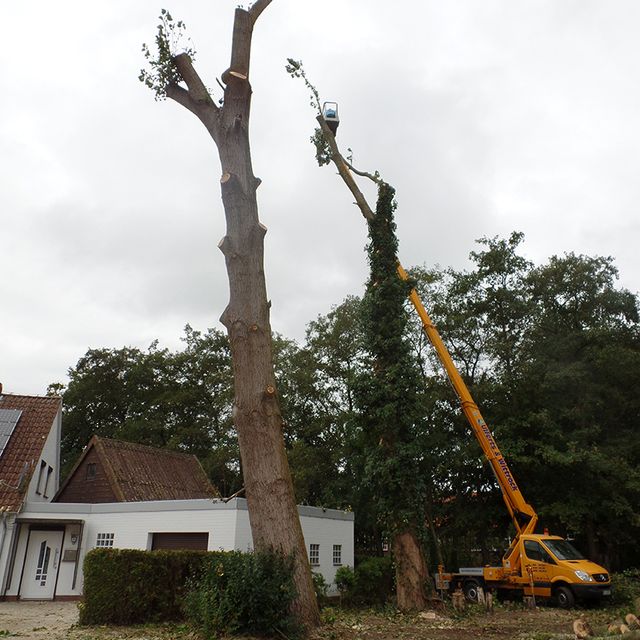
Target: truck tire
(564,597)
(470,590)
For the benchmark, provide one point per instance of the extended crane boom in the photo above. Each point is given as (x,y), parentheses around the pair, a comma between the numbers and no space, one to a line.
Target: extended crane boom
(535,565)
(523,515)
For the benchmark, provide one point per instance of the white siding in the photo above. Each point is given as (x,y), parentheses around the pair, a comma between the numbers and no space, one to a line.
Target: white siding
(325,527)
(133,523)
(51,457)
(326,532)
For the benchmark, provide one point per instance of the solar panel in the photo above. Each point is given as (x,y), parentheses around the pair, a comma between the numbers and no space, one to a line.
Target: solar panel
(8,421)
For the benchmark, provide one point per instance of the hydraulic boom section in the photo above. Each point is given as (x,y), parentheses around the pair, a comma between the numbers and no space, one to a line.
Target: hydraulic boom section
(523,515)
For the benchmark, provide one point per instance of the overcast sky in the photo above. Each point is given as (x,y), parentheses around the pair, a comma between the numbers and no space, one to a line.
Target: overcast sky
(487,117)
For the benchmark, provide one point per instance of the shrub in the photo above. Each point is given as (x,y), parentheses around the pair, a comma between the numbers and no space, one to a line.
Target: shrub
(345,581)
(625,587)
(370,583)
(243,593)
(374,580)
(218,591)
(320,587)
(127,586)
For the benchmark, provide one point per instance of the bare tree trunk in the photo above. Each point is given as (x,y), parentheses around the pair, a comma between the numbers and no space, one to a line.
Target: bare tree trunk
(411,571)
(275,523)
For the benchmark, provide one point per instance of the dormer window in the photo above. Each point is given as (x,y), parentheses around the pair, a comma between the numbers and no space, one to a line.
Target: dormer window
(43,466)
(91,471)
(46,482)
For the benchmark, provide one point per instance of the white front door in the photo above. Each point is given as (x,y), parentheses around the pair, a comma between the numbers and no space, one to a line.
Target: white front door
(41,565)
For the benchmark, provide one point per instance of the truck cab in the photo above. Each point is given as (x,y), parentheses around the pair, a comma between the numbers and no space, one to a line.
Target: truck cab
(544,566)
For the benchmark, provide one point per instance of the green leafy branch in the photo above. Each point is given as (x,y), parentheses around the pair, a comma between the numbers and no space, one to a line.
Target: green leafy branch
(296,70)
(323,150)
(326,150)
(169,41)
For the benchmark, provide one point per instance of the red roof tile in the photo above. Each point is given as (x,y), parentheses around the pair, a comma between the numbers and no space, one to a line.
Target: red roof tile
(138,472)
(22,453)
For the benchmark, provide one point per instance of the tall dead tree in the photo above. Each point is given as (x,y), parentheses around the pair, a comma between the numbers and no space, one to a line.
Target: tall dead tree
(275,524)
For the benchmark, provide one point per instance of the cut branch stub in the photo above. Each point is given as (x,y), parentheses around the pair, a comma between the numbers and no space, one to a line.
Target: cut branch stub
(226,246)
(240,47)
(197,88)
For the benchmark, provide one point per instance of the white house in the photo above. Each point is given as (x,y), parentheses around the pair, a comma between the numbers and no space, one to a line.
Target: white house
(125,496)
(64,532)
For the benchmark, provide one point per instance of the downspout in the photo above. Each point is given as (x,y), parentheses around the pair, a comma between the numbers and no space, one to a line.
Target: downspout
(11,551)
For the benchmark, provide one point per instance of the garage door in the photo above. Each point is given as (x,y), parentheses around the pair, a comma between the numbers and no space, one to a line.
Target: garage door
(190,540)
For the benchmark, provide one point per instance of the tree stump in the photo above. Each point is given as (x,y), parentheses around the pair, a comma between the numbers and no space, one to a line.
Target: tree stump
(457,599)
(488,602)
(582,629)
(632,621)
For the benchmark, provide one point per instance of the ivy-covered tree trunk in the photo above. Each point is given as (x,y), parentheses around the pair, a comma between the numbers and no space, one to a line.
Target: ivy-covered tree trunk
(275,524)
(388,403)
(390,407)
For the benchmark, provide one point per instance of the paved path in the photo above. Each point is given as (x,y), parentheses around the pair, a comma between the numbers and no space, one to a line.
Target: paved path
(38,620)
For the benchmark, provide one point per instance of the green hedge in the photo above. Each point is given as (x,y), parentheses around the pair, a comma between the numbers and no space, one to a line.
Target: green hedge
(370,583)
(244,593)
(625,587)
(127,586)
(218,591)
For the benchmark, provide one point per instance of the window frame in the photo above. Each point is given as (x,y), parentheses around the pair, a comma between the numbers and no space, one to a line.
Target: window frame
(46,482)
(43,466)
(314,554)
(105,539)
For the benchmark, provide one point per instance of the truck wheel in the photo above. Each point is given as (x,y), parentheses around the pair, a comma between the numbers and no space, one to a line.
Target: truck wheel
(470,589)
(565,598)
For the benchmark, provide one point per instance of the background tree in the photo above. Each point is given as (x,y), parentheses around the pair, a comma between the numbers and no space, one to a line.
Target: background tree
(177,400)
(579,408)
(256,412)
(561,399)
(551,354)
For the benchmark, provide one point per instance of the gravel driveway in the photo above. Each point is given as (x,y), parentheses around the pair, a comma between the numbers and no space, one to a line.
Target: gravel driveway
(26,619)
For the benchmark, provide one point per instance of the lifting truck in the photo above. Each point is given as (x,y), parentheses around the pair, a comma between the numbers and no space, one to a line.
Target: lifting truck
(539,565)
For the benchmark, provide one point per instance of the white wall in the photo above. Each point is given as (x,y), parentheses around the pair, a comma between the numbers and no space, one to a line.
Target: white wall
(325,527)
(132,523)
(51,456)
(326,532)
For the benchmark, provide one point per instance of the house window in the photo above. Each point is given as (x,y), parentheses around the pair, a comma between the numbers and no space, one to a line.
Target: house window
(43,466)
(43,564)
(91,471)
(105,540)
(46,482)
(314,554)
(337,555)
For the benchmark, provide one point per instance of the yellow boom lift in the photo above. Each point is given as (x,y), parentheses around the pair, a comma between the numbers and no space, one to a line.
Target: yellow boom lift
(539,565)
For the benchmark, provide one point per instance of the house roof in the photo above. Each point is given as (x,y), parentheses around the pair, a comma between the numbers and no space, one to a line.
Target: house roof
(24,446)
(139,473)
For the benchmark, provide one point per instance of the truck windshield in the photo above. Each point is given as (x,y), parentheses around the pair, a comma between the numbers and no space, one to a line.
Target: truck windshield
(562,550)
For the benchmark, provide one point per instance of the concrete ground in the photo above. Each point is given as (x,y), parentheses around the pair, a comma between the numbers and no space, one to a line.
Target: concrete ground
(37,620)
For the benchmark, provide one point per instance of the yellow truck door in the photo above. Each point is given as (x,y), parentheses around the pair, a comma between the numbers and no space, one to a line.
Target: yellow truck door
(539,565)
